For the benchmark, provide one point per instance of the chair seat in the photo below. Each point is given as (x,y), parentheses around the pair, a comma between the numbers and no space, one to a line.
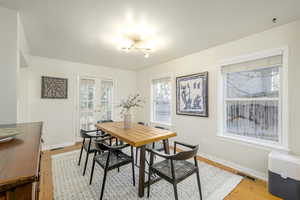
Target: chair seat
(182,169)
(116,159)
(92,148)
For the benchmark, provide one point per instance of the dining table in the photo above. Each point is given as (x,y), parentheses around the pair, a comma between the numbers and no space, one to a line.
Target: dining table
(138,136)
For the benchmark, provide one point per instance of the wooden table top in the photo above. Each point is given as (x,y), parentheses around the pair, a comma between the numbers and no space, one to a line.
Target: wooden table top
(137,135)
(19,157)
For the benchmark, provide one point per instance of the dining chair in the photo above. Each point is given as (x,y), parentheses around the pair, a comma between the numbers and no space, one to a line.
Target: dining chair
(160,146)
(106,121)
(109,158)
(175,168)
(88,145)
(103,121)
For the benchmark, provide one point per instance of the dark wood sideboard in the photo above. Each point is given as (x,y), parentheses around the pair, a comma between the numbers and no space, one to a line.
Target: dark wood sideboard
(20,163)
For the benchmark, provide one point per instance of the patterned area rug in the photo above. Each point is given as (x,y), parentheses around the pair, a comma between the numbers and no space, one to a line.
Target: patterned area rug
(69,184)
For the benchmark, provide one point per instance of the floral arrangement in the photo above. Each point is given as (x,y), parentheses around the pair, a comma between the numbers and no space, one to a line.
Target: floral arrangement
(133,101)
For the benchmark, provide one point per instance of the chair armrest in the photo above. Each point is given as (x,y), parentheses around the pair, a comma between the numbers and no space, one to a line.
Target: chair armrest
(91,131)
(163,155)
(102,139)
(184,144)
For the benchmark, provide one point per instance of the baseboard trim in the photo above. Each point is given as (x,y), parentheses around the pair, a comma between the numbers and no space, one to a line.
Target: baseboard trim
(235,166)
(49,147)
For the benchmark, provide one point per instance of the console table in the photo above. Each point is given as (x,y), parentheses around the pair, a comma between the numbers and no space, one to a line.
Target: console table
(20,163)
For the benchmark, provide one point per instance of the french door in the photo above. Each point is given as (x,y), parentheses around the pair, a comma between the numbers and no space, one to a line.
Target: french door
(95,101)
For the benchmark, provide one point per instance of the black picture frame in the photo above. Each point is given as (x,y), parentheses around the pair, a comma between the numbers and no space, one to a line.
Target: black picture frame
(192,107)
(54,88)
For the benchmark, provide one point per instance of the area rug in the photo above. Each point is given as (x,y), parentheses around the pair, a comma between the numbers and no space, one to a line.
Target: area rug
(69,184)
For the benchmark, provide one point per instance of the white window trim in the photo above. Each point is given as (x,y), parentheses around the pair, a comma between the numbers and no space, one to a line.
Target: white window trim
(161,76)
(283,101)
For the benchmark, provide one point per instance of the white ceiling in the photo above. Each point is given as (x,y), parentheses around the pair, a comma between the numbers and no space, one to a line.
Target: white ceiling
(81,30)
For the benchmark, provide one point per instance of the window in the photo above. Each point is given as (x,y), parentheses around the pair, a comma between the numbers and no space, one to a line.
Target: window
(252,100)
(106,100)
(96,101)
(161,100)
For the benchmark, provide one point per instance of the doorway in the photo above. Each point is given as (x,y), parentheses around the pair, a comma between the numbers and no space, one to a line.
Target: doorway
(95,101)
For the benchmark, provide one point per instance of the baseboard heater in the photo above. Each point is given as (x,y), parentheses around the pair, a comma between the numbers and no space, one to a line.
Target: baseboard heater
(284,175)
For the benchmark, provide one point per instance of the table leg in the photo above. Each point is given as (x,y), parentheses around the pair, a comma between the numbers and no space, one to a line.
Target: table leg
(142,171)
(166,146)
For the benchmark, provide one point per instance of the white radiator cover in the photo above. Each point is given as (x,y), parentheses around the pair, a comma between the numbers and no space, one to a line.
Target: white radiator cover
(284,164)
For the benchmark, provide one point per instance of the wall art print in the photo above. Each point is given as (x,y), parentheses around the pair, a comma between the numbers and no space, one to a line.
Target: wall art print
(192,95)
(54,88)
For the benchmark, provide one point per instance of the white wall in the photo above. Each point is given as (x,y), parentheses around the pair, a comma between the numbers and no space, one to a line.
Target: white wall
(203,131)
(22,75)
(14,53)
(60,115)
(8,65)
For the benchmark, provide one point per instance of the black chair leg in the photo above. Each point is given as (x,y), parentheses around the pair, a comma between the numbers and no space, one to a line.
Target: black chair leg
(80,153)
(149,182)
(86,162)
(132,165)
(199,184)
(93,167)
(136,155)
(175,191)
(103,184)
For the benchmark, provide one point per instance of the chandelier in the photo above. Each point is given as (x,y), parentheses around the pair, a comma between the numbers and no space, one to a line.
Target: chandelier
(137,37)
(135,42)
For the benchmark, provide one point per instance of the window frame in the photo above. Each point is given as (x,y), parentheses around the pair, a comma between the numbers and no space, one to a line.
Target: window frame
(282,144)
(163,76)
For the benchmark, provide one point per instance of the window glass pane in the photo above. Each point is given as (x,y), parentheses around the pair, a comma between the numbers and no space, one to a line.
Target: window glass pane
(253,84)
(83,105)
(87,98)
(83,94)
(106,99)
(83,120)
(256,119)
(91,93)
(162,100)
(91,105)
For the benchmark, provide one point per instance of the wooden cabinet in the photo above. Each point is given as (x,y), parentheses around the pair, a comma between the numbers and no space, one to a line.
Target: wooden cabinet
(20,163)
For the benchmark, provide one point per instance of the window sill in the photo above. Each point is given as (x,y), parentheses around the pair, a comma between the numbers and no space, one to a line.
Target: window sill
(253,143)
(161,123)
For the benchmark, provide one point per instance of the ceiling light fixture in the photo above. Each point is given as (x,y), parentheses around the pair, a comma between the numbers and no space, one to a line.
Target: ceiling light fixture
(137,37)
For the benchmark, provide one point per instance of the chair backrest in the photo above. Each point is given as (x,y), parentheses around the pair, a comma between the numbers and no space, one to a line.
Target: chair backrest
(141,123)
(160,127)
(104,146)
(185,155)
(84,134)
(101,146)
(104,121)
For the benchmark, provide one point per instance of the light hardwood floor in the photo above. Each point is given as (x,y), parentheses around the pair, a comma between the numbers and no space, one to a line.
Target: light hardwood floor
(246,190)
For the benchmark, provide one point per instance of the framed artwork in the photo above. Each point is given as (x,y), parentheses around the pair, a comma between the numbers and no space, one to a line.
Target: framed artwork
(54,88)
(192,95)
